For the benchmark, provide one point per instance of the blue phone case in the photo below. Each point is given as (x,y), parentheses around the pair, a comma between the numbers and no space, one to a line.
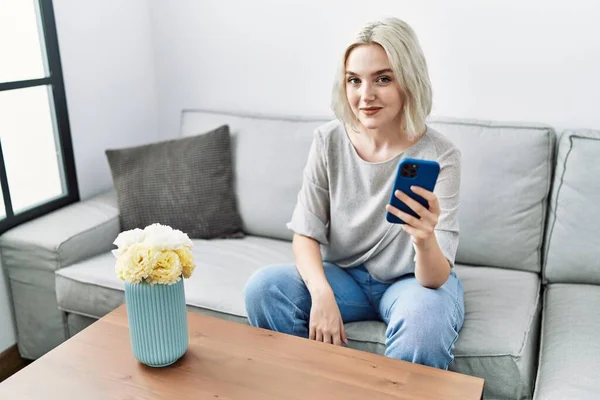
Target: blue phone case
(412,172)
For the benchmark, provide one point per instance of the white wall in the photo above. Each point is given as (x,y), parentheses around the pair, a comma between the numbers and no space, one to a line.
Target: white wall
(533,60)
(108,67)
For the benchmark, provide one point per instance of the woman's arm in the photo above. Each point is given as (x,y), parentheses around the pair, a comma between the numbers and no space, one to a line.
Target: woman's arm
(325,322)
(432,268)
(310,264)
(309,224)
(435,233)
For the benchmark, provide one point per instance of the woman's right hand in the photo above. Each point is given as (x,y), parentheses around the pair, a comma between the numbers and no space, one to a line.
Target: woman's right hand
(325,323)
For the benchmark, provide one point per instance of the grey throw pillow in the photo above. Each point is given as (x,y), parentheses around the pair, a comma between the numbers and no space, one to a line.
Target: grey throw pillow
(184,183)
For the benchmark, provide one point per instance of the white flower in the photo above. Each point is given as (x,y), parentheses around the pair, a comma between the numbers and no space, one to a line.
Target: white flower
(162,237)
(156,254)
(127,239)
(137,263)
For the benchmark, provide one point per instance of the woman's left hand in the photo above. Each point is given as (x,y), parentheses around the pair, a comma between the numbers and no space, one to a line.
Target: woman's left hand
(421,230)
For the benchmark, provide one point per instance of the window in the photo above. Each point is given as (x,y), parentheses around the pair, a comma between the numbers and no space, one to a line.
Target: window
(37,169)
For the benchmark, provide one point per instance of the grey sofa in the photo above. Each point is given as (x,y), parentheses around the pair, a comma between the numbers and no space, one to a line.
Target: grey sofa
(528,255)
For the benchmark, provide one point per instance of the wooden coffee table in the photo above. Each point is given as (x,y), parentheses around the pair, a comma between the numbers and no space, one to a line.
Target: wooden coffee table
(226,360)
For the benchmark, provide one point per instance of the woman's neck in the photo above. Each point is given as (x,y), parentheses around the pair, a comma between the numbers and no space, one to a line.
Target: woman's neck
(381,139)
(377,145)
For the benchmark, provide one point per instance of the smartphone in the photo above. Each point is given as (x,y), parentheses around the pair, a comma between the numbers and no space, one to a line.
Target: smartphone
(412,172)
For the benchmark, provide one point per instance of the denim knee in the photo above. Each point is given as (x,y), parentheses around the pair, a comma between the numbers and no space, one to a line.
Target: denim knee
(256,292)
(275,298)
(418,346)
(425,336)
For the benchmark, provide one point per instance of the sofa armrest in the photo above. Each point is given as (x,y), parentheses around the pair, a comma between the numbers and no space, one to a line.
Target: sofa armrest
(63,237)
(32,252)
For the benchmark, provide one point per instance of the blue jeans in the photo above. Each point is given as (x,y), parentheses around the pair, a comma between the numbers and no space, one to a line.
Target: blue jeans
(422,324)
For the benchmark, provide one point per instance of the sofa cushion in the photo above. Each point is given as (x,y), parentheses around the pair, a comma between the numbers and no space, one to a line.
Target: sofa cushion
(574,217)
(223,266)
(269,155)
(184,183)
(500,337)
(505,184)
(570,348)
(498,340)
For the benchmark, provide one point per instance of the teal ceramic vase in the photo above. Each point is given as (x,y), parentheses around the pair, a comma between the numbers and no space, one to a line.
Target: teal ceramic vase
(157,318)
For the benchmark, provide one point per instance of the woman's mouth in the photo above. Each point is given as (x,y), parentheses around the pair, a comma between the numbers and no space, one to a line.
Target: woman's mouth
(370,110)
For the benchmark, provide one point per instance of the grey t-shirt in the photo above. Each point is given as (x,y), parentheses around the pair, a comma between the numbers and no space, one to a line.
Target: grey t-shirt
(342,203)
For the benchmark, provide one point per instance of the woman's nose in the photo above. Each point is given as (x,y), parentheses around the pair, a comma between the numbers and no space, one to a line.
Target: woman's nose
(368,94)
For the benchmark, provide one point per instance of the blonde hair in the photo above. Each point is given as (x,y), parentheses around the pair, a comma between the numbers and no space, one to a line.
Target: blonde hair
(408,63)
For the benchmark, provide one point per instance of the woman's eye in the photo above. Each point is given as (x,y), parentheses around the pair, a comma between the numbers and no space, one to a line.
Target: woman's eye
(353,81)
(384,79)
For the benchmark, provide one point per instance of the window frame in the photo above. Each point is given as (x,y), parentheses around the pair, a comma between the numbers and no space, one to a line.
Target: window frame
(56,83)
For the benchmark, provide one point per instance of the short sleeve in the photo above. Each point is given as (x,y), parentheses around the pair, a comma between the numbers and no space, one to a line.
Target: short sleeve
(311,214)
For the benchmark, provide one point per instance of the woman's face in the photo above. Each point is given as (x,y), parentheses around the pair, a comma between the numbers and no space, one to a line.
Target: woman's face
(371,88)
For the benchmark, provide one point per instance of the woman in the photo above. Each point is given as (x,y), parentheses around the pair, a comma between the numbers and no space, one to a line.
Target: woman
(350,263)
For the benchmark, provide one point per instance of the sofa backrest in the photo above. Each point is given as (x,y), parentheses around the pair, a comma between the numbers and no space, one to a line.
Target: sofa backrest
(269,154)
(506,176)
(573,234)
(505,184)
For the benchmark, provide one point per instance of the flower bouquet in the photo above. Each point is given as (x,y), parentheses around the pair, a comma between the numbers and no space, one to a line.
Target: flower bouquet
(152,262)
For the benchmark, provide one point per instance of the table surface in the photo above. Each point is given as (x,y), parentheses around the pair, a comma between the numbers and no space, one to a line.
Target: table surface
(227,360)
